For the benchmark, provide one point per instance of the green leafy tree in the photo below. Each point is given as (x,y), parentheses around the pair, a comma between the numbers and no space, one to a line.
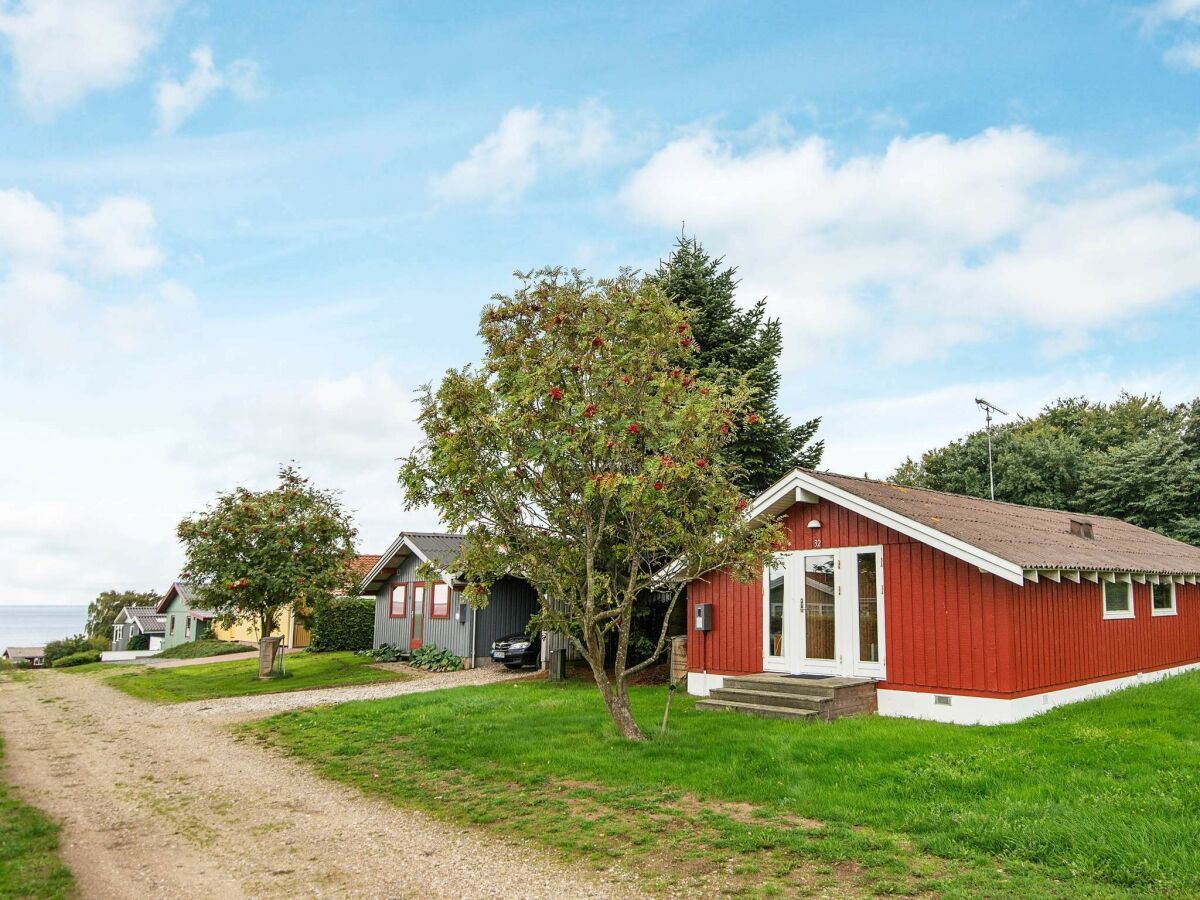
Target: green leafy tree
(252,553)
(1136,458)
(103,611)
(1153,482)
(732,342)
(583,455)
(69,646)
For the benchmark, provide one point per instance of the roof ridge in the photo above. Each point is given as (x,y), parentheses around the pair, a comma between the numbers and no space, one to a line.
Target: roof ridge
(1054,509)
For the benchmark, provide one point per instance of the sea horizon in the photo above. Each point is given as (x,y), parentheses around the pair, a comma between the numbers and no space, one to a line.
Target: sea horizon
(32,625)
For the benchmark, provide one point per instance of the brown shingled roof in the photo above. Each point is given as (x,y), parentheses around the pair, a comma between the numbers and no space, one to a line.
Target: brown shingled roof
(1028,536)
(362,564)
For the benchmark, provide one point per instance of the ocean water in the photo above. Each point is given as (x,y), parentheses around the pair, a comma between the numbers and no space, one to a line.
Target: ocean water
(32,626)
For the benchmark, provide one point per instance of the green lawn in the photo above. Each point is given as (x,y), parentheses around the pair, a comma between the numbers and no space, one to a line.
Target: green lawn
(1094,800)
(29,863)
(240,677)
(202,648)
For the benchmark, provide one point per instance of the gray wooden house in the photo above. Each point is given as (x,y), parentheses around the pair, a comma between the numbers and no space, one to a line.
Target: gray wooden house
(134,620)
(410,611)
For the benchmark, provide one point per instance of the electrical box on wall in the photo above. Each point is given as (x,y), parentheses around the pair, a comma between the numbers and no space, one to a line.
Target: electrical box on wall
(703,617)
(461,615)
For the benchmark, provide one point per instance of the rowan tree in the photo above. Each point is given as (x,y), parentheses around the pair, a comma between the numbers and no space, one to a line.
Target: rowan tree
(585,456)
(251,553)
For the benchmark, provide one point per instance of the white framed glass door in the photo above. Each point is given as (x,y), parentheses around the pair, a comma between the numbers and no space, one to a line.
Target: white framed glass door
(823,612)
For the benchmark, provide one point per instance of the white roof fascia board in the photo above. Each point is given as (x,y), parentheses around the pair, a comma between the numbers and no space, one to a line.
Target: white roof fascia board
(987,562)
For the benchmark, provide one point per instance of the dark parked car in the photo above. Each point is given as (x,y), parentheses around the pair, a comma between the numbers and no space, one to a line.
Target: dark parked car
(517,650)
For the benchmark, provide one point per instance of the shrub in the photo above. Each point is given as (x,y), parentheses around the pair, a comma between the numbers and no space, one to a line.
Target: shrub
(69,646)
(386,653)
(435,659)
(347,623)
(138,642)
(77,659)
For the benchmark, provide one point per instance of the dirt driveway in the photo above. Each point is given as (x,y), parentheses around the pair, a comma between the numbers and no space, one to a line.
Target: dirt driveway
(159,801)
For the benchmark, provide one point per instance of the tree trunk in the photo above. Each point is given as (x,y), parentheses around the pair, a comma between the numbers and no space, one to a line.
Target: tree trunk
(622,715)
(616,697)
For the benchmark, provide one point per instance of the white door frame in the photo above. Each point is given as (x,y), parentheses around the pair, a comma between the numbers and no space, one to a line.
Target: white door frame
(847,656)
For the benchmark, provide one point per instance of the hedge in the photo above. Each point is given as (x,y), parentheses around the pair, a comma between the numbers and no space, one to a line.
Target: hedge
(344,624)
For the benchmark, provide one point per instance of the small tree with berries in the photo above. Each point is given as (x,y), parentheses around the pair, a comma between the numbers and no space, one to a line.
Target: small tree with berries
(251,553)
(582,456)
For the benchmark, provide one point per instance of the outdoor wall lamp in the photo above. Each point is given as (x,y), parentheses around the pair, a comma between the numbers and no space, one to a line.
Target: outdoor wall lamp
(815,523)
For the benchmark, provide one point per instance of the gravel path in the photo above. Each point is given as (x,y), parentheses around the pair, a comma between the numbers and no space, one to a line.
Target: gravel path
(158,801)
(234,708)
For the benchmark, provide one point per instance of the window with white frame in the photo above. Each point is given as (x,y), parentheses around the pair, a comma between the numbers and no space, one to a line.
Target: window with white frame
(1118,600)
(1162,599)
(187,627)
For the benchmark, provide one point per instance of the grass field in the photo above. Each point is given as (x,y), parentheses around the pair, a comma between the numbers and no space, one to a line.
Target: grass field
(1100,799)
(240,677)
(29,863)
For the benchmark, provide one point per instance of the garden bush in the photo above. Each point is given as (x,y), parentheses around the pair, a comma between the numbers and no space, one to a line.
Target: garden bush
(347,623)
(435,659)
(69,646)
(386,653)
(138,642)
(77,659)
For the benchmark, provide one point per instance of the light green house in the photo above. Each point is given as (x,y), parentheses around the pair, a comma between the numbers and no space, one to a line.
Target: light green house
(184,623)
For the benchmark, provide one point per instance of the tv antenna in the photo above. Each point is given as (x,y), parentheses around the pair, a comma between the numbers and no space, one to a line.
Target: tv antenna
(988,409)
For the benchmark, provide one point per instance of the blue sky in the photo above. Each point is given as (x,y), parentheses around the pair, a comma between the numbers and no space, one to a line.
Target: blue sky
(233,235)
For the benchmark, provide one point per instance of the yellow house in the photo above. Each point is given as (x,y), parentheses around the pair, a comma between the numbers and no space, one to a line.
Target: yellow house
(295,634)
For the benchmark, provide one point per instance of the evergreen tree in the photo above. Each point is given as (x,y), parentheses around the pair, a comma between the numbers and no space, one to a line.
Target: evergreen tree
(733,341)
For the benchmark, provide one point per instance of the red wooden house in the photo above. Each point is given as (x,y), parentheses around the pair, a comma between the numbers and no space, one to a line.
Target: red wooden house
(959,609)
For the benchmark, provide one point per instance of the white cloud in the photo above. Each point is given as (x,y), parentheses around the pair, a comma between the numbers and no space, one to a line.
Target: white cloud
(1184,56)
(55,267)
(156,316)
(1172,11)
(932,243)
(1180,18)
(177,100)
(508,161)
(118,237)
(65,49)
(903,425)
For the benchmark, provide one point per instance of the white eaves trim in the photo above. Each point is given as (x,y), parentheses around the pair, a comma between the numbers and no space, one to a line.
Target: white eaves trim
(799,487)
(389,555)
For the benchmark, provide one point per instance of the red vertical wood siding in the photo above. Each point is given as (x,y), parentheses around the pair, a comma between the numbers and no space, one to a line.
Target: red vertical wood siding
(951,628)
(934,609)
(1063,639)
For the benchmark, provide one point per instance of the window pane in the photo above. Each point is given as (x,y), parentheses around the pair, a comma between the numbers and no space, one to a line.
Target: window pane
(418,599)
(775,603)
(868,609)
(441,599)
(1116,596)
(818,607)
(399,598)
(1164,596)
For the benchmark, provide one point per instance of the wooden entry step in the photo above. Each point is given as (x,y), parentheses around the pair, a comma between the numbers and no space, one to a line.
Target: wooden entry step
(793,696)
